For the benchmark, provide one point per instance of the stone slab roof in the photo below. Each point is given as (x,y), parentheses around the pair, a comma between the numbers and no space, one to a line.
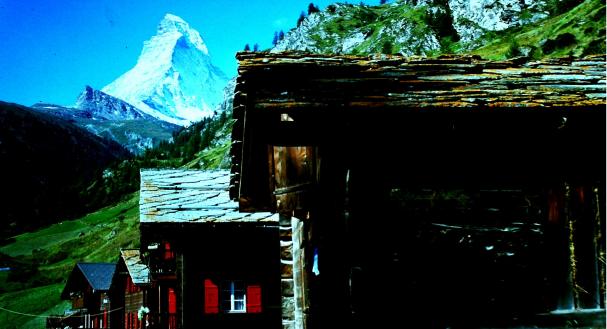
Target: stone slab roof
(138,271)
(191,196)
(304,88)
(293,80)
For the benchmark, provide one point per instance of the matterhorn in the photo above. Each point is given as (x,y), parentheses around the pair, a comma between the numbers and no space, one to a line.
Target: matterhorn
(174,79)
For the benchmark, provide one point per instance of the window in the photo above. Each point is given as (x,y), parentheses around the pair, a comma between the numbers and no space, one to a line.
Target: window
(233,296)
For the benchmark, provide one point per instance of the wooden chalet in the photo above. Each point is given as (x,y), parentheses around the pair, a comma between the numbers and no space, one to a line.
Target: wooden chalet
(87,287)
(132,292)
(211,266)
(430,192)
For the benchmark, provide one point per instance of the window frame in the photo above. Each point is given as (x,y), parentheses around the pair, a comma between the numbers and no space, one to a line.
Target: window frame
(229,289)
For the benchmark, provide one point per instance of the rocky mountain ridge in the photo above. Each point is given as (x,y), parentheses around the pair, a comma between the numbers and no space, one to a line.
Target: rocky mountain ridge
(109,117)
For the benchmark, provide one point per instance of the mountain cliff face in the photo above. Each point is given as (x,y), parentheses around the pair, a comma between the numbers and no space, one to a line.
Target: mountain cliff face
(409,27)
(174,79)
(472,18)
(114,119)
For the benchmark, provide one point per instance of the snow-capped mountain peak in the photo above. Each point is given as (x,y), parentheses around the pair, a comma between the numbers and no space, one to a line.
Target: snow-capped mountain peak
(175,24)
(174,79)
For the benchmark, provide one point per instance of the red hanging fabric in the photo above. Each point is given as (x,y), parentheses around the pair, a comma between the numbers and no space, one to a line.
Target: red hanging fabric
(211,297)
(172,301)
(254,299)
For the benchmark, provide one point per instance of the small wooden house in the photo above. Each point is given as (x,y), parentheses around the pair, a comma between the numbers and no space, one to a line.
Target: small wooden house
(131,292)
(210,265)
(430,192)
(87,287)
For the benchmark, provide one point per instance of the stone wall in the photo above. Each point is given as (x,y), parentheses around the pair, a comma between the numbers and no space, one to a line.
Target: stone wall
(291,260)
(286,273)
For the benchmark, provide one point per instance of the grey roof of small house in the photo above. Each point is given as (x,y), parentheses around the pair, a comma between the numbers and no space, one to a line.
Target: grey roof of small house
(191,196)
(98,275)
(138,271)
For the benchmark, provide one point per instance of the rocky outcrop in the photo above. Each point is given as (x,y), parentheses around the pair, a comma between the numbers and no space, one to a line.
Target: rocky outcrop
(408,27)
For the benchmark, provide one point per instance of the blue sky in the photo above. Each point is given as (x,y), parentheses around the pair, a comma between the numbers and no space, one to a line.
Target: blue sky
(51,49)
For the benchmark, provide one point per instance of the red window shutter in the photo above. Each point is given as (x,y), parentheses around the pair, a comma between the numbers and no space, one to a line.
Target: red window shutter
(254,299)
(211,297)
(168,253)
(105,319)
(172,301)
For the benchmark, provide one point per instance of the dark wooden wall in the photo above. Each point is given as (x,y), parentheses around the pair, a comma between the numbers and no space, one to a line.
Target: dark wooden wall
(222,251)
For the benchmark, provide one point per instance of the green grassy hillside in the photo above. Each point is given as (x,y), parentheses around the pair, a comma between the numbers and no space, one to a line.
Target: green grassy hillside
(569,27)
(578,32)
(47,164)
(41,261)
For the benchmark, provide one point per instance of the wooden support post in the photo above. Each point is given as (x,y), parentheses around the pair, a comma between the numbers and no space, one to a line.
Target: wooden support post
(600,244)
(582,224)
(570,226)
(181,288)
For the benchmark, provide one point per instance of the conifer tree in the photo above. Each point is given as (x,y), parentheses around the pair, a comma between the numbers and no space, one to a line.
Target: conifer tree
(275,39)
(247,47)
(312,9)
(281,35)
(386,47)
(256,47)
